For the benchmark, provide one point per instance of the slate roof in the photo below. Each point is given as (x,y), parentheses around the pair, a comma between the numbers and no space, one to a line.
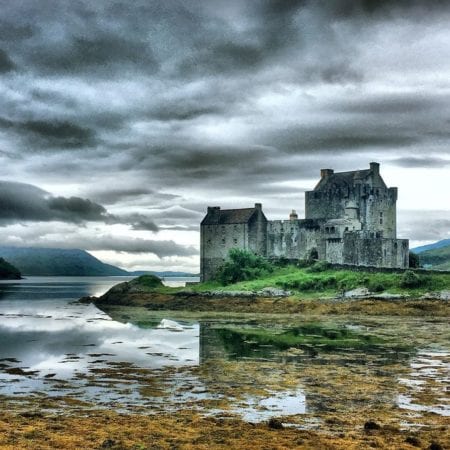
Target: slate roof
(343,179)
(227,216)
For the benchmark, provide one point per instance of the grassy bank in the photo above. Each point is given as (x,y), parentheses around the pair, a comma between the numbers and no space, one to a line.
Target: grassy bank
(312,290)
(320,280)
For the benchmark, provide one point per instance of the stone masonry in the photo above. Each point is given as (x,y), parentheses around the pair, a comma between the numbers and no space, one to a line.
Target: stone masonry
(350,218)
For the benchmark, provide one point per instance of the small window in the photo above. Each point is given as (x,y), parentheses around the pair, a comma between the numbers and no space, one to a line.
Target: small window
(381,221)
(346,228)
(223,241)
(235,241)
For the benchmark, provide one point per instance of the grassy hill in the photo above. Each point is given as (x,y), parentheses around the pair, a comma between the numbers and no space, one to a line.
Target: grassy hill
(437,258)
(57,262)
(320,280)
(8,271)
(433,246)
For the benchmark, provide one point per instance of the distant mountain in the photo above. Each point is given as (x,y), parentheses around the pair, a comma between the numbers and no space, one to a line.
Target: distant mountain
(435,245)
(166,274)
(436,258)
(57,262)
(8,271)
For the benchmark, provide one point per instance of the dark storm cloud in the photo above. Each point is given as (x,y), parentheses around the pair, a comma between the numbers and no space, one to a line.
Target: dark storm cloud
(382,8)
(111,196)
(24,202)
(332,137)
(21,202)
(50,133)
(62,134)
(425,161)
(101,52)
(6,64)
(162,249)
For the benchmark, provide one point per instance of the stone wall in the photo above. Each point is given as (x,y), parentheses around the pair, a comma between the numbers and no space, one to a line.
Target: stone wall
(294,239)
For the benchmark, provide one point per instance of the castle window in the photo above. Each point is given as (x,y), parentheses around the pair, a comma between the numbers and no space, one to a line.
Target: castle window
(381,221)
(208,241)
(333,229)
(346,228)
(223,241)
(235,241)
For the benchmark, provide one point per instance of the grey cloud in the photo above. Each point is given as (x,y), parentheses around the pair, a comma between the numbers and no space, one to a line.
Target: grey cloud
(6,64)
(430,225)
(102,52)
(162,249)
(11,31)
(425,161)
(112,196)
(24,202)
(21,202)
(382,8)
(51,133)
(59,133)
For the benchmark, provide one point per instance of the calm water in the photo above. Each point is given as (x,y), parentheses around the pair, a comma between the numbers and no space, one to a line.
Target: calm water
(50,345)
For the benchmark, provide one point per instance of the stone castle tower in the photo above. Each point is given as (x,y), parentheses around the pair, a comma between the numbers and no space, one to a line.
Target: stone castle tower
(350,218)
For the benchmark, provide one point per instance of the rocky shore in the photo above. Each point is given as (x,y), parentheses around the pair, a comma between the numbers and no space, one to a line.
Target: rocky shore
(270,300)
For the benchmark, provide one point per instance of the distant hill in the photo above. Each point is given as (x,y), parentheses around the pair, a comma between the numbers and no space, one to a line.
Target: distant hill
(8,271)
(437,258)
(165,274)
(435,245)
(57,262)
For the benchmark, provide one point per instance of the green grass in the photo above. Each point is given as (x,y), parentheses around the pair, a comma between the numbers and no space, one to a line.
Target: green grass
(307,283)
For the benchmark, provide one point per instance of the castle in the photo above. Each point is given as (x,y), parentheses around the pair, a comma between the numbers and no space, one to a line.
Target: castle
(350,218)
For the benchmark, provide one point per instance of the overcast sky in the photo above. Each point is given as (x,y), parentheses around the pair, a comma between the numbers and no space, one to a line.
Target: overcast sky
(120,121)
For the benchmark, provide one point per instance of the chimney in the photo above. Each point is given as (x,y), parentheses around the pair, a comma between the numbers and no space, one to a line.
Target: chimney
(326,173)
(293,215)
(258,206)
(375,167)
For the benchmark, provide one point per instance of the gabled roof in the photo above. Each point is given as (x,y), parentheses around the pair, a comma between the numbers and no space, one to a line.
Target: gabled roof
(343,179)
(227,216)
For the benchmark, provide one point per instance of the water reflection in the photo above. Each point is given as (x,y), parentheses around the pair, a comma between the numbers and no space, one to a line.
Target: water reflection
(51,345)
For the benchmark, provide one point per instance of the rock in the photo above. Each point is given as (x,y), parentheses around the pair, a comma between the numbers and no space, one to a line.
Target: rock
(442,295)
(435,446)
(87,299)
(275,424)
(412,440)
(387,296)
(357,293)
(371,425)
(108,443)
(273,292)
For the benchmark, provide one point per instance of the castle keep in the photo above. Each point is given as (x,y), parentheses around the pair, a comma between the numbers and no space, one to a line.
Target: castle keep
(350,218)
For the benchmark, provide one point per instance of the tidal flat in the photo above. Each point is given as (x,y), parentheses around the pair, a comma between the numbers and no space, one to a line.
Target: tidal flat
(74,376)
